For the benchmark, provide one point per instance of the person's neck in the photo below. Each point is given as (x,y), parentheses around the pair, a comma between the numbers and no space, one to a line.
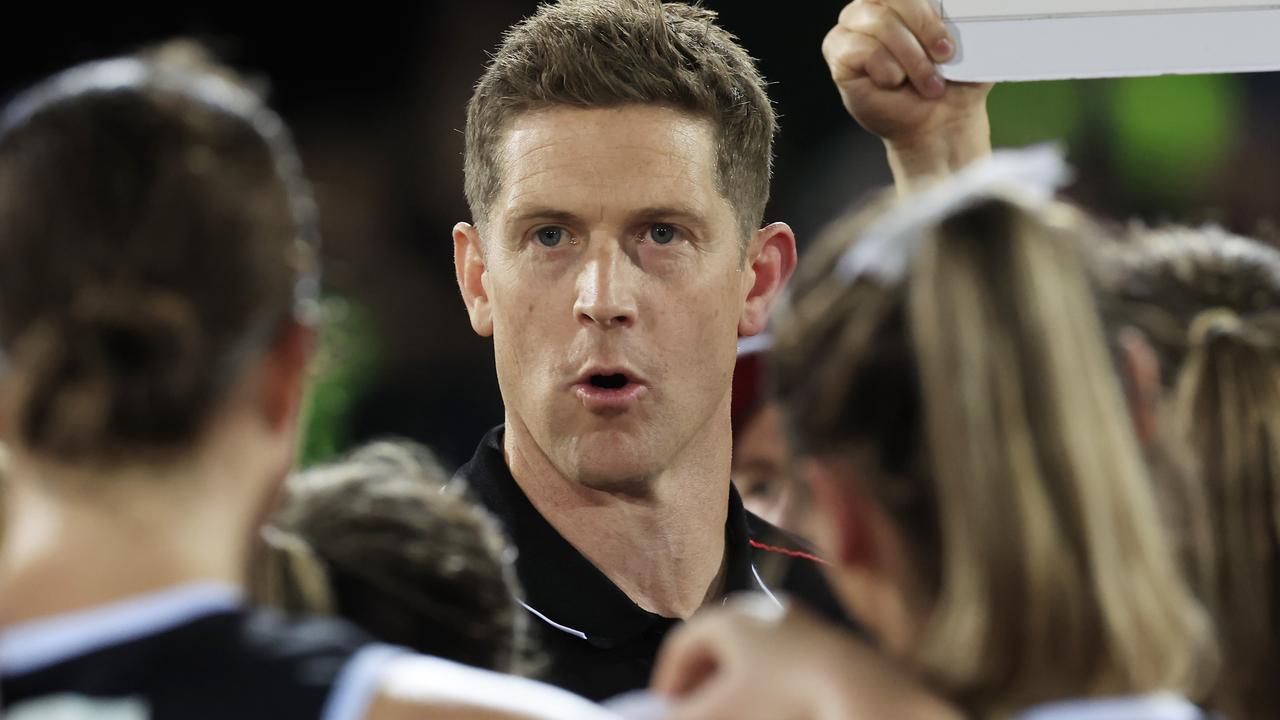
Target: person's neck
(71,546)
(665,547)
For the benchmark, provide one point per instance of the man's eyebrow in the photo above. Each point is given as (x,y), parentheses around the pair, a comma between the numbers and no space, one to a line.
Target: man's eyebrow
(673,212)
(542,212)
(678,212)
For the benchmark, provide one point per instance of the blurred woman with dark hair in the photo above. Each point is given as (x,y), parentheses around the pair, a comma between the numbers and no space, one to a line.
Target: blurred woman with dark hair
(157,282)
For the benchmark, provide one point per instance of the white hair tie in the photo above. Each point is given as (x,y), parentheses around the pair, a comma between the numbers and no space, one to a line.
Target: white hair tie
(1031,177)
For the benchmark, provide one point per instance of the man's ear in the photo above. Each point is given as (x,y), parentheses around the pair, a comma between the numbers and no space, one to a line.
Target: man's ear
(771,259)
(469,264)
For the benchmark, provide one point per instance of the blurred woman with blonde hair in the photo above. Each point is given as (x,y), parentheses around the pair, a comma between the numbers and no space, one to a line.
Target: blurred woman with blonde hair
(986,508)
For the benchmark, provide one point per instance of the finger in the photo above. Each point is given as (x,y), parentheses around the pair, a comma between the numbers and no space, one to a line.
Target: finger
(923,21)
(884,70)
(886,26)
(853,56)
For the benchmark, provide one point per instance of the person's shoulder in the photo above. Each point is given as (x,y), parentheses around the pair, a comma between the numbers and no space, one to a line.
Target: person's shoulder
(318,663)
(306,658)
(252,664)
(270,633)
(421,686)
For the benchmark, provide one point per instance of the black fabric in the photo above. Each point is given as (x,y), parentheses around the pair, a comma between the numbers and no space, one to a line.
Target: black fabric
(622,639)
(238,664)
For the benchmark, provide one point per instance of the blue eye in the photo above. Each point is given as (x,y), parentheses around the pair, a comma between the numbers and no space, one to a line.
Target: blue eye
(550,236)
(662,234)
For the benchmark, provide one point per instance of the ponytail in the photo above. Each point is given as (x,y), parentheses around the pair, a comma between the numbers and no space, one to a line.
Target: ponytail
(976,395)
(1227,409)
(1056,566)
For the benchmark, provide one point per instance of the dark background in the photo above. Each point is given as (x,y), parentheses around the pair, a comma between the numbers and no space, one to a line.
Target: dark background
(375,94)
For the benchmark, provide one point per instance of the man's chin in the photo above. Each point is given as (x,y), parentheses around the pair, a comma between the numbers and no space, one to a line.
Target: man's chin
(615,463)
(617,481)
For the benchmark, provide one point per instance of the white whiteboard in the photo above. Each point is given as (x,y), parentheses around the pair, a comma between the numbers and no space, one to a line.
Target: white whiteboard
(1002,40)
(975,9)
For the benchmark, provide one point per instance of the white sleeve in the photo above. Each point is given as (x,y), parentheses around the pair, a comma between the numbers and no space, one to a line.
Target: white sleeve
(429,679)
(358,682)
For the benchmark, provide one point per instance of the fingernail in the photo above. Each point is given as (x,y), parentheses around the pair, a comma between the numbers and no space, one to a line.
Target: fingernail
(943,49)
(935,86)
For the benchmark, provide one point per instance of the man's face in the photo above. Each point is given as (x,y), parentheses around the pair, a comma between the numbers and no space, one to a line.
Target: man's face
(614,285)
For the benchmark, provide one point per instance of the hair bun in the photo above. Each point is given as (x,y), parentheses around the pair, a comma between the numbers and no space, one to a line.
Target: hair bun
(133,334)
(119,358)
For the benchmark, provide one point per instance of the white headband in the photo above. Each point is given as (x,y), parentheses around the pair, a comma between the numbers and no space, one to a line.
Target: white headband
(1031,177)
(129,73)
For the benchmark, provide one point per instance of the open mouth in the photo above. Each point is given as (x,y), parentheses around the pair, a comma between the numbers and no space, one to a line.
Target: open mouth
(616,381)
(610,393)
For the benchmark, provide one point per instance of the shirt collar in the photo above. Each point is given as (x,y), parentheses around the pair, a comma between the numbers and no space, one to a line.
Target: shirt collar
(563,587)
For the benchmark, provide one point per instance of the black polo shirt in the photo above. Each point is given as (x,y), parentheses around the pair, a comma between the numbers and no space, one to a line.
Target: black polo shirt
(599,643)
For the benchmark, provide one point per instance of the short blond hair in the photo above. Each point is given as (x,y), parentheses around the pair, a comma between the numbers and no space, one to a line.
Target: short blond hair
(611,53)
